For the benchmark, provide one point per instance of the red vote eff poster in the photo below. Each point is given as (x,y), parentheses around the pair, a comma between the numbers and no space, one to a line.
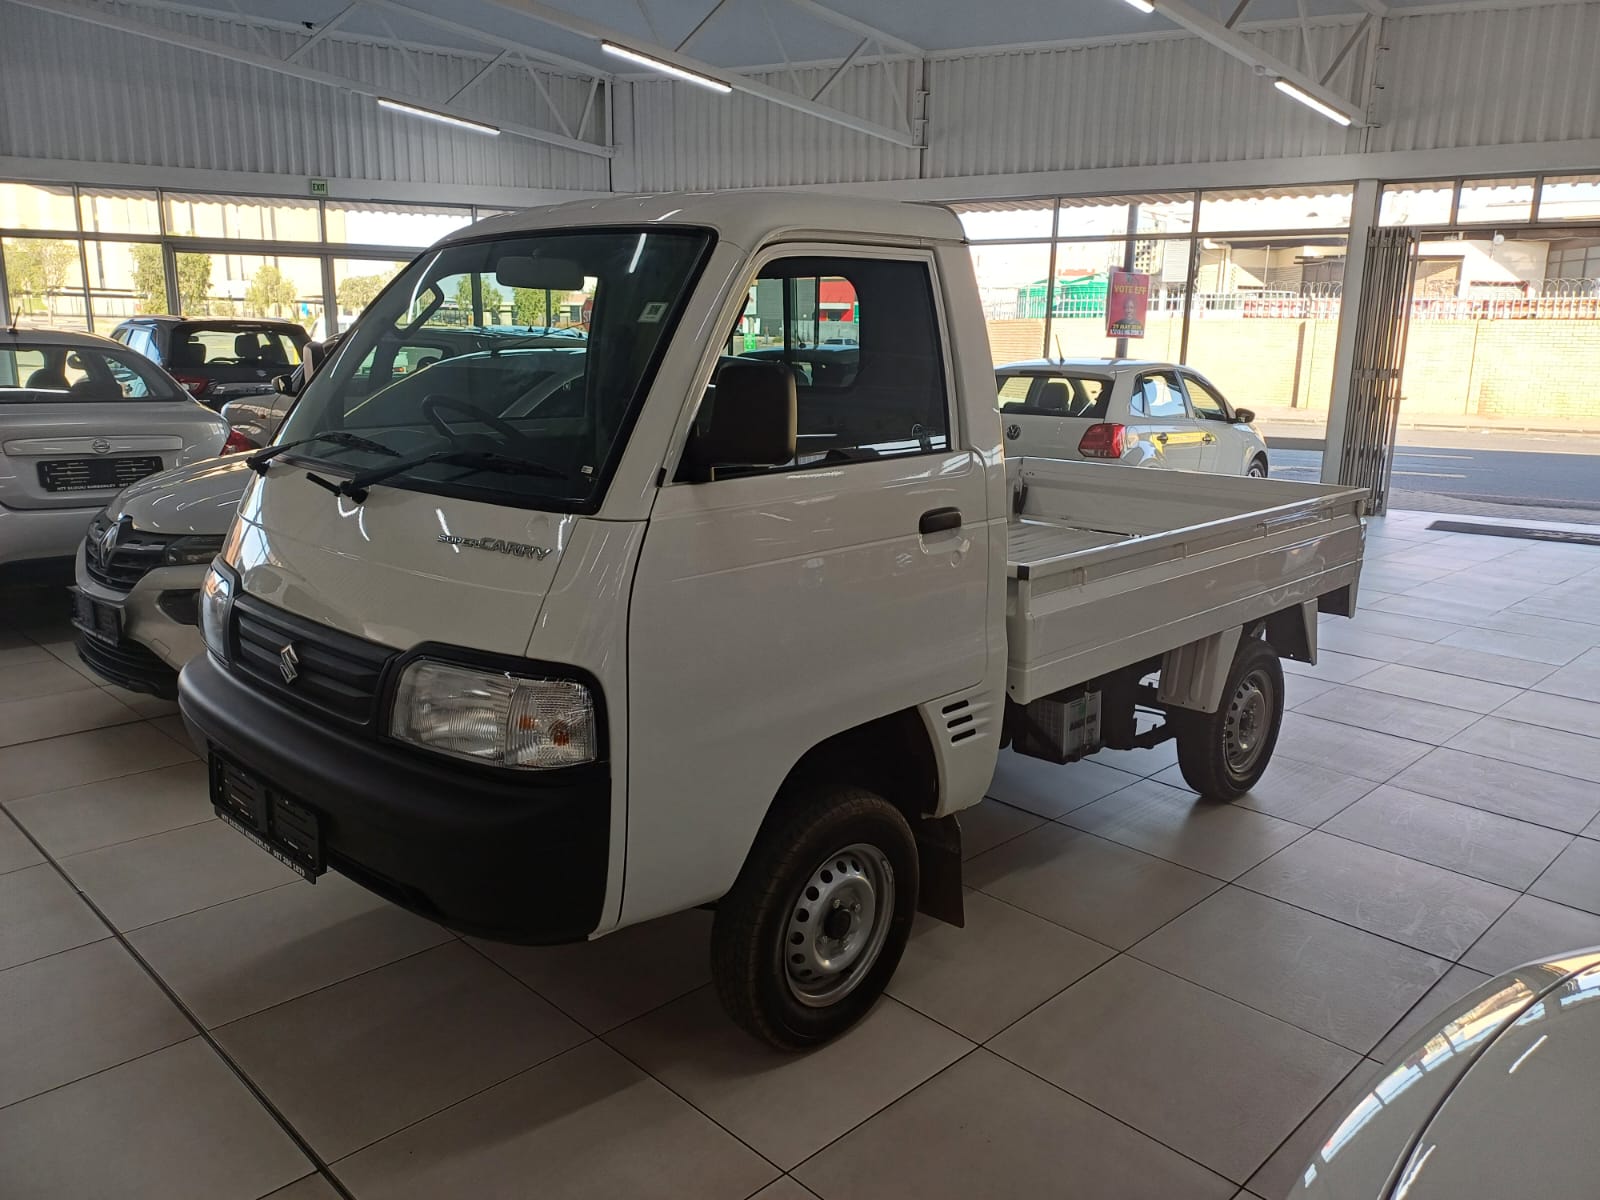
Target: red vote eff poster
(1127,301)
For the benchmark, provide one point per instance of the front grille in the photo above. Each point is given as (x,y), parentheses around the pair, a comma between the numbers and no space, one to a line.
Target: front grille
(332,672)
(93,474)
(132,555)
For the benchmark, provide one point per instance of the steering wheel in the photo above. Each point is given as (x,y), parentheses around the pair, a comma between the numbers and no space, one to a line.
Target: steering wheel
(430,409)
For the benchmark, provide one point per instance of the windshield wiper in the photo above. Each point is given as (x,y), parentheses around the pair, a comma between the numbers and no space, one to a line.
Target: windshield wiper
(478,460)
(258,461)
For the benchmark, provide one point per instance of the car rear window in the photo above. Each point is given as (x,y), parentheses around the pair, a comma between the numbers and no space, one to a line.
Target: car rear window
(45,372)
(224,345)
(1055,395)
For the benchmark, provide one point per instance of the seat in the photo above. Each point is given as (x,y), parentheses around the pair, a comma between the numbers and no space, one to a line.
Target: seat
(1056,397)
(188,353)
(48,379)
(247,349)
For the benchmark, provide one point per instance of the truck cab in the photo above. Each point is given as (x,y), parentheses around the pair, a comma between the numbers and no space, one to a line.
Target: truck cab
(695,616)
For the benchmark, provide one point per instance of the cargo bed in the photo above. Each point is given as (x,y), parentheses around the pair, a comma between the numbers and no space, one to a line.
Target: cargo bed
(1109,565)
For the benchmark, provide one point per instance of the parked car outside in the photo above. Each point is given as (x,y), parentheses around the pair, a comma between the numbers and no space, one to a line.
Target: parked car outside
(81,418)
(217,358)
(1494,1097)
(1139,413)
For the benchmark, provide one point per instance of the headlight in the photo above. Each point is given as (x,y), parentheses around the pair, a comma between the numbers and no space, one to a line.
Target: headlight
(493,717)
(216,599)
(191,551)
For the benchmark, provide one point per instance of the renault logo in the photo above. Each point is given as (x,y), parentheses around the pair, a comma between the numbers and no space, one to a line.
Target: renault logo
(289,663)
(108,539)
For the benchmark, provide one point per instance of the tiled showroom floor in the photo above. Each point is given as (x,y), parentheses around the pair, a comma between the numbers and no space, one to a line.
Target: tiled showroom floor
(1152,997)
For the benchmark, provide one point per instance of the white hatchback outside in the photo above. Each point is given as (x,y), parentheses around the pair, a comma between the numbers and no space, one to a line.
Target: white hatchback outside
(1138,413)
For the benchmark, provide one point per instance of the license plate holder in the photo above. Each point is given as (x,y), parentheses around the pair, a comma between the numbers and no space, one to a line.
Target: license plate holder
(99,620)
(278,823)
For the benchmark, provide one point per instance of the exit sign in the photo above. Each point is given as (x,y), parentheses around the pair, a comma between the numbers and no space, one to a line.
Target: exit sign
(319,187)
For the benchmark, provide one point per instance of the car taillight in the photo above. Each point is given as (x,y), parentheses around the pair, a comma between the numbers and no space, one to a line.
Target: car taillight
(237,443)
(193,385)
(1103,441)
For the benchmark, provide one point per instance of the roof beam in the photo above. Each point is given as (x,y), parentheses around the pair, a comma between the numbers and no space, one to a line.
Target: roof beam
(322,31)
(887,40)
(200,45)
(1219,35)
(489,39)
(739,83)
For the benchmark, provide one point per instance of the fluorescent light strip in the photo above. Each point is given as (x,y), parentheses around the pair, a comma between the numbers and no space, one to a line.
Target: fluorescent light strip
(1143,6)
(411,110)
(666,68)
(1310,101)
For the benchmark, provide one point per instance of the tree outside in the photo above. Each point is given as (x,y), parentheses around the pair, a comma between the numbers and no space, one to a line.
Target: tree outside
(358,291)
(269,293)
(37,269)
(194,285)
(150,278)
(493,300)
(528,307)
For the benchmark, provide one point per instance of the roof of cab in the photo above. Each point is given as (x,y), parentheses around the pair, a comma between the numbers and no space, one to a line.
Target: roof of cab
(1103,365)
(746,218)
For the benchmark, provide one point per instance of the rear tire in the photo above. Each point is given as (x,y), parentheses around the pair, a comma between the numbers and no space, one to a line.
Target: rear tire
(1257,468)
(1224,754)
(813,928)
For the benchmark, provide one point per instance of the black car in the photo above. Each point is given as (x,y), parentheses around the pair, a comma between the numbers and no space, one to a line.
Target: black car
(217,358)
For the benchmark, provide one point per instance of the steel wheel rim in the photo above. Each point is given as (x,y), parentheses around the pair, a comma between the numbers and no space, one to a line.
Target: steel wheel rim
(1256,471)
(838,922)
(1247,722)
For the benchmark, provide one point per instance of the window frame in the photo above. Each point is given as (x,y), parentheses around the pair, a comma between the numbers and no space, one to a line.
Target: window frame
(1176,373)
(1190,376)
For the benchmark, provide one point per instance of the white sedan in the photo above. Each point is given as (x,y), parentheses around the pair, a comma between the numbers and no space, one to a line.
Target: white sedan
(1141,414)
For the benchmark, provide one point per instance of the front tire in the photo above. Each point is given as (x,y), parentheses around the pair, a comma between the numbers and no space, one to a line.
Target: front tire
(1224,754)
(1257,468)
(814,926)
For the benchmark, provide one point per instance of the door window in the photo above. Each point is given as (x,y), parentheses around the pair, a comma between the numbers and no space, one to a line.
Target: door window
(1163,397)
(1208,406)
(1056,395)
(862,338)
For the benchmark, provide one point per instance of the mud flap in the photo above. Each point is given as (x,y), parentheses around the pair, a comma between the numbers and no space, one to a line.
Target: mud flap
(939,857)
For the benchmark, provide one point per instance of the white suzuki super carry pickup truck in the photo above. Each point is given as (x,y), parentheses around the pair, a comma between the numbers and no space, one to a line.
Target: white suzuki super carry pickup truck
(706,602)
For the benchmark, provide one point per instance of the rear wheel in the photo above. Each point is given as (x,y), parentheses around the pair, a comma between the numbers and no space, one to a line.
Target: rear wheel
(815,925)
(1223,754)
(1258,468)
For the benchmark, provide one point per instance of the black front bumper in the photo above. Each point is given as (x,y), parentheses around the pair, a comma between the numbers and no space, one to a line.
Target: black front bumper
(489,852)
(128,665)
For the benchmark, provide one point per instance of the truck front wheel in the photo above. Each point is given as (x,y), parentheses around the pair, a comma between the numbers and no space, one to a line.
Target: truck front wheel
(816,922)
(1223,754)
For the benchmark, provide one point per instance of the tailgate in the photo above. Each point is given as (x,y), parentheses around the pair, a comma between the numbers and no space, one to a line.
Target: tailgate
(1110,565)
(81,455)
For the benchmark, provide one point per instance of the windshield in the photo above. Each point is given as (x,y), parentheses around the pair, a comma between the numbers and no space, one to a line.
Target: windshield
(1054,394)
(50,371)
(530,350)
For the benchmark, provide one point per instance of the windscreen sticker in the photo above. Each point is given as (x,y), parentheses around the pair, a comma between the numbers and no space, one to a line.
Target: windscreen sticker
(653,312)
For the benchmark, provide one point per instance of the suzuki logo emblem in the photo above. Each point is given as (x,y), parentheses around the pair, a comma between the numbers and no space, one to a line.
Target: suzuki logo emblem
(289,663)
(100,446)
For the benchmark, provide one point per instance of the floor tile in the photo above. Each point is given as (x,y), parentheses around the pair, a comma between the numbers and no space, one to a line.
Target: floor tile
(1401,625)
(1515,645)
(40,914)
(1533,746)
(1427,907)
(24,680)
(1339,983)
(74,1013)
(1461,612)
(1513,790)
(237,958)
(1466,840)
(143,703)
(173,1125)
(1574,878)
(64,762)
(1343,637)
(1362,752)
(1532,929)
(1297,689)
(787,1107)
(312,1187)
(982,977)
(42,717)
(785,1188)
(1543,605)
(1203,1074)
(1575,633)
(397,1044)
(1332,667)
(1579,679)
(611,980)
(1217,839)
(1455,984)
(1280,1172)
(22,655)
(1476,664)
(93,815)
(1294,791)
(1417,720)
(16,851)
(587,1124)
(1143,763)
(1476,587)
(984,1127)
(1100,889)
(985,825)
(1554,712)
(174,728)
(168,874)
(1049,790)
(1456,691)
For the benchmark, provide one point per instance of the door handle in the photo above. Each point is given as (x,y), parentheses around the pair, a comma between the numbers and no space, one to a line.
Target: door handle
(937,520)
(1162,438)
(1209,438)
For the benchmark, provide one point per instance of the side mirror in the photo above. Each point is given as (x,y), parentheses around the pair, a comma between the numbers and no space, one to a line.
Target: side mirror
(283,384)
(1244,416)
(752,419)
(311,356)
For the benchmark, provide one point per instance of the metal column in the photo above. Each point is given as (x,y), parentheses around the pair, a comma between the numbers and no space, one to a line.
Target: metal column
(1366,452)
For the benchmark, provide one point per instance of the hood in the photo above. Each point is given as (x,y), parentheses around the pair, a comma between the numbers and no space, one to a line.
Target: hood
(402,568)
(1446,1089)
(200,498)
